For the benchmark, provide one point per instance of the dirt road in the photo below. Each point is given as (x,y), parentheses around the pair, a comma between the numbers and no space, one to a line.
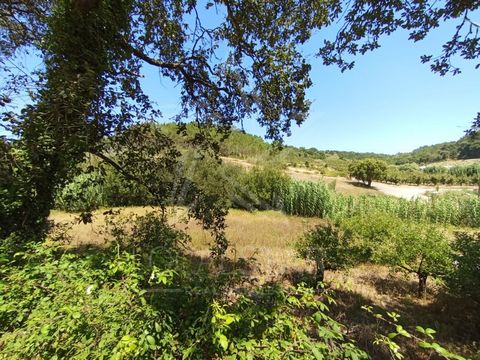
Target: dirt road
(413,192)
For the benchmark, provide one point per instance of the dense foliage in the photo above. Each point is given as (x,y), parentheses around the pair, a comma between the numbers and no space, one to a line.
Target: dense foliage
(367,170)
(412,247)
(467,147)
(328,247)
(142,297)
(465,280)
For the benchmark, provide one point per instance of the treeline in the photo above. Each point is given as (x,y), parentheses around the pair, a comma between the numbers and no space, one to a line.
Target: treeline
(370,169)
(245,145)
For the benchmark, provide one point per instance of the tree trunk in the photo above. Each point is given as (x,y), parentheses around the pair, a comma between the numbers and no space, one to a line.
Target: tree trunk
(369,182)
(422,286)
(320,273)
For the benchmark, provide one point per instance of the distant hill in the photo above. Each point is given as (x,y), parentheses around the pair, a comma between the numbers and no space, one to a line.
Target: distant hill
(465,148)
(253,148)
(244,145)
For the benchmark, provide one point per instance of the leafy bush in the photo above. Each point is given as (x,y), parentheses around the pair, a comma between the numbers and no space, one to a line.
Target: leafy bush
(276,323)
(416,248)
(142,297)
(328,246)
(465,279)
(100,188)
(267,185)
(371,232)
(421,337)
(71,305)
(84,192)
(224,180)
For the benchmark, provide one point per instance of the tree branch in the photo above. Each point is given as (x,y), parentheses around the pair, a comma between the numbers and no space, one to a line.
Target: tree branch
(125,173)
(180,67)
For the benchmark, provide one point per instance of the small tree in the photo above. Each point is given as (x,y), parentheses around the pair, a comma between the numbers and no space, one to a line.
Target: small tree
(465,279)
(367,170)
(327,246)
(419,249)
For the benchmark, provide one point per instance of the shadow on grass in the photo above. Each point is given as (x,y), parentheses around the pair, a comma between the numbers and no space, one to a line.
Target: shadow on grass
(456,320)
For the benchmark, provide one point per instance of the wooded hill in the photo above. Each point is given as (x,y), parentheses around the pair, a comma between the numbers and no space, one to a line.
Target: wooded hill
(462,149)
(246,146)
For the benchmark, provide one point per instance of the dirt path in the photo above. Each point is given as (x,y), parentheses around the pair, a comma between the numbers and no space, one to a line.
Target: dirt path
(403,191)
(413,192)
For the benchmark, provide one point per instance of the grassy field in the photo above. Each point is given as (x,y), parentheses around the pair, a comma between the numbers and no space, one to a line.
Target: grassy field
(266,239)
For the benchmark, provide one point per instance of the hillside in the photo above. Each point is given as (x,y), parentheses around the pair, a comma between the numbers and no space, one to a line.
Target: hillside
(242,145)
(462,149)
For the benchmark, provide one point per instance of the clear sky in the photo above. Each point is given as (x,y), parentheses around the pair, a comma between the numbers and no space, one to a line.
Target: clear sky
(390,102)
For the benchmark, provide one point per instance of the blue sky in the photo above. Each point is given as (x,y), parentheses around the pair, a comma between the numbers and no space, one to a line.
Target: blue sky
(390,102)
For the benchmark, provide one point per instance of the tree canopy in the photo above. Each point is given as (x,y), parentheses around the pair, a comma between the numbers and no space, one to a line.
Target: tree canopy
(367,170)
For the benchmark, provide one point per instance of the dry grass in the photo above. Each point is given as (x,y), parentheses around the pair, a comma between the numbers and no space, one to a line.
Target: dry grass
(268,236)
(239,162)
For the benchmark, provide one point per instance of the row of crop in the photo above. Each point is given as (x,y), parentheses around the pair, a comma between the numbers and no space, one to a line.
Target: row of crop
(317,199)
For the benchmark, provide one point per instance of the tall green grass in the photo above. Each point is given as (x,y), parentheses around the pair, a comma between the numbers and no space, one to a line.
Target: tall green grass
(317,200)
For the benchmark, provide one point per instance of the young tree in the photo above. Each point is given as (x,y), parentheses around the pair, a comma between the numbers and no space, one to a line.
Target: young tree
(465,279)
(328,246)
(367,170)
(419,249)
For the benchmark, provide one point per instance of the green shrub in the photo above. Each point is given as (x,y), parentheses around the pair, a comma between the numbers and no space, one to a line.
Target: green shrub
(91,190)
(84,192)
(371,232)
(465,279)
(328,246)
(267,186)
(142,297)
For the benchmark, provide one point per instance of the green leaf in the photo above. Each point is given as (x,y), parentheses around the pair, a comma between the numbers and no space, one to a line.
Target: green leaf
(420,329)
(425,345)
(223,341)
(150,339)
(318,355)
